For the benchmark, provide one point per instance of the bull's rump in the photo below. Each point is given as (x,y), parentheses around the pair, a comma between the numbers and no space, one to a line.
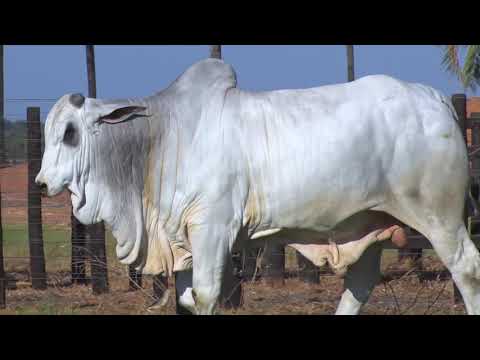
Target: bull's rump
(317,156)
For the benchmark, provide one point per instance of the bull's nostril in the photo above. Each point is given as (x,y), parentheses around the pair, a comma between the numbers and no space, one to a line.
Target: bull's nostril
(43,188)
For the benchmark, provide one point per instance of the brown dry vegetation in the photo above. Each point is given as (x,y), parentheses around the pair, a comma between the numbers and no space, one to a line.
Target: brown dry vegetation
(417,293)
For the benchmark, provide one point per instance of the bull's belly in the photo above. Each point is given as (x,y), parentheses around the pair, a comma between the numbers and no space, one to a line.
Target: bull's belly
(320,197)
(341,247)
(348,230)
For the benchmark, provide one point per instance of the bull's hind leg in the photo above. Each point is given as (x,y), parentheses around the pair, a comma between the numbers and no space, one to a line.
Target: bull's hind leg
(444,228)
(459,254)
(360,280)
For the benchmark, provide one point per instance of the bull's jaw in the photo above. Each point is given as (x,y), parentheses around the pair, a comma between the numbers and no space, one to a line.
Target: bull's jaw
(86,215)
(86,204)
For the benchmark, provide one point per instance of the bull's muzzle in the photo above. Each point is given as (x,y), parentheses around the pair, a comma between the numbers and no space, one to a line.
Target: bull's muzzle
(42,185)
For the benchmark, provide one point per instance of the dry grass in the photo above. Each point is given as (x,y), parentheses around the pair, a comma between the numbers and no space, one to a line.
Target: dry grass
(410,295)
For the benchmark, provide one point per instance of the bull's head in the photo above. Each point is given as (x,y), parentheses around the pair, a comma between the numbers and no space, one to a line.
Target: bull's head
(71,133)
(117,168)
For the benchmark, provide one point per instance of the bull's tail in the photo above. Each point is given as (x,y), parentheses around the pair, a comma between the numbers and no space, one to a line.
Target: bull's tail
(472,196)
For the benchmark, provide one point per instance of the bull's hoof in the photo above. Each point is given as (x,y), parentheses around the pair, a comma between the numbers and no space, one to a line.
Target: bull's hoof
(187,301)
(160,303)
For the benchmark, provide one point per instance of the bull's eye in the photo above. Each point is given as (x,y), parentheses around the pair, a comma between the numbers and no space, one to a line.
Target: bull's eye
(70,137)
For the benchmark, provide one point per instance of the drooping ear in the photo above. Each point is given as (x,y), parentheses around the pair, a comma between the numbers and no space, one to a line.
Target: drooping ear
(98,112)
(123,113)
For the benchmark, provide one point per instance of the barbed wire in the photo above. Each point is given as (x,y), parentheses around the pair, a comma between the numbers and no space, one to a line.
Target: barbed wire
(31,99)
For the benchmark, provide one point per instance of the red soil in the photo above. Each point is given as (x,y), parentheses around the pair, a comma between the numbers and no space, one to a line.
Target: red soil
(14,188)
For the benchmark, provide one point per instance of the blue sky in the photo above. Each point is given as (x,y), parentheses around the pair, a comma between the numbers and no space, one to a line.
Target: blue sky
(48,72)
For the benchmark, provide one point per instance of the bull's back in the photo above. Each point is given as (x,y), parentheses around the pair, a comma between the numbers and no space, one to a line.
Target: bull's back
(316,156)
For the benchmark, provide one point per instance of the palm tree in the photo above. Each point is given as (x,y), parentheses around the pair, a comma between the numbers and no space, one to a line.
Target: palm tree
(351,63)
(469,73)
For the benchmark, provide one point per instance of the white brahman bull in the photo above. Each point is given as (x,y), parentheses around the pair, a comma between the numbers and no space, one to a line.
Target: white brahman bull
(192,173)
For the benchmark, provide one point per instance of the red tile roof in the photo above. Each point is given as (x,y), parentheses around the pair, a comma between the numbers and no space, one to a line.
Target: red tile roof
(473,105)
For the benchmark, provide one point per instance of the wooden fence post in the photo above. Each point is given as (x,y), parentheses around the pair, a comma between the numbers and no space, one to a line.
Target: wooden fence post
(216,51)
(459,102)
(232,287)
(350,63)
(475,121)
(249,257)
(273,264)
(3,281)
(35,235)
(98,258)
(307,271)
(2,120)
(96,233)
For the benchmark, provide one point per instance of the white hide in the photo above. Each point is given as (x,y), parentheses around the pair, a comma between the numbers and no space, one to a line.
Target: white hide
(214,161)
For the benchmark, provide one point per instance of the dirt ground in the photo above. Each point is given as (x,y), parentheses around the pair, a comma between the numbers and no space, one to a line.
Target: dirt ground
(14,187)
(425,291)
(408,296)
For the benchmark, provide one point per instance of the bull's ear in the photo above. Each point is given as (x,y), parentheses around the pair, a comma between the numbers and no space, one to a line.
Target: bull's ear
(122,114)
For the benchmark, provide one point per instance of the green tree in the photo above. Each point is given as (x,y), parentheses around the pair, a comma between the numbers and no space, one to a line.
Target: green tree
(464,62)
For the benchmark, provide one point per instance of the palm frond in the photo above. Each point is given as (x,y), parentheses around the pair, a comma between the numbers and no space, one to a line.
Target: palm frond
(471,67)
(451,60)
(469,73)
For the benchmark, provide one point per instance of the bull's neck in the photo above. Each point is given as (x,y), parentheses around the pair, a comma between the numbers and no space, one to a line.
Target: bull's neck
(120,158)
(124,162)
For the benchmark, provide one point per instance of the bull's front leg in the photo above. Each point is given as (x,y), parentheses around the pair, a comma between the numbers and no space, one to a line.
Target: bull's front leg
(211,249)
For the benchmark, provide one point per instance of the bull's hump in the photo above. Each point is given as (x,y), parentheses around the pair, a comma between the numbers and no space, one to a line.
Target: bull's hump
(206,72)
